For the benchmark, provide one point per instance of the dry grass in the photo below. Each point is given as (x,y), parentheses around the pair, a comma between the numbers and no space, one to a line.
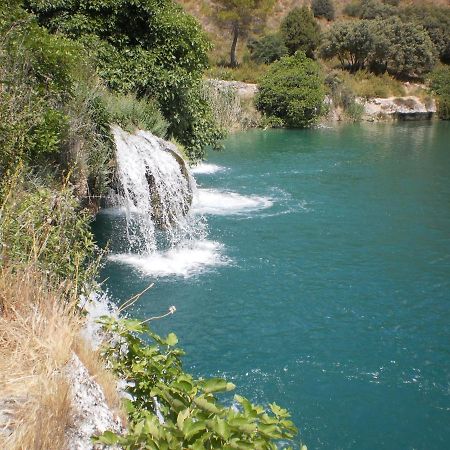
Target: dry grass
(39,330)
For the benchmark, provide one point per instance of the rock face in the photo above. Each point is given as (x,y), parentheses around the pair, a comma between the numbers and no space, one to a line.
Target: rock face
(398,108)
(91,413)
(244,90)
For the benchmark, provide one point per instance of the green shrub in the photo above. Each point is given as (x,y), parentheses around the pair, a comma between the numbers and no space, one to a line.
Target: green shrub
(352,9)
(130,113)
(45,227)
(172,409)
(436,21)
(300,31)
(403,49)
(323,8)
(151,48)
(268,49)
(440,86)
(292,91)
(370,9)
(350,42)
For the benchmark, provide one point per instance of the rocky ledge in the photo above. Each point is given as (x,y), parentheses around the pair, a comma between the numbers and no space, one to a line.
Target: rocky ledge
(398,108)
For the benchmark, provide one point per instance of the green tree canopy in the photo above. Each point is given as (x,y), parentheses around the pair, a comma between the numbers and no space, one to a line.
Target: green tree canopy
(268,49)
(150,47)
(292,90)
(436,21)
(323,8)
(403,49)
(240,16)
(350,42)
(300,31)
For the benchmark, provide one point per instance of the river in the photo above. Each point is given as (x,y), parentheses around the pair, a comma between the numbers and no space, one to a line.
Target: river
(323,283)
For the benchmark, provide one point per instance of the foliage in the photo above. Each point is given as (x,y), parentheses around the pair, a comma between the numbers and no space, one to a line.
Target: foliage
(131,113)
(436,21)
(403,49)
(292,90)
(240,16)
(231,111)
(350,42)
(45,227)
(343,96)
(171,409)
(49,108)
(148,47)
(323,8)
(440,85)
(268,49)
(300,31)
(247,72)
(370,9)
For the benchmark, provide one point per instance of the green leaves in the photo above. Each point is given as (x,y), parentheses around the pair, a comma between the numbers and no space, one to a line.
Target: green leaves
(173,410)
(150,49)
(292,91)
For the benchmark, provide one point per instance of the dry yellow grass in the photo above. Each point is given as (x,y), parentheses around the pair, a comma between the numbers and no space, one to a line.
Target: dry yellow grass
(39,330)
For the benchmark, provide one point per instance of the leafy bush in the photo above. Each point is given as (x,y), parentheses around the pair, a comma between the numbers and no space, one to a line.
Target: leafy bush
(370,9)
(440,86)
(148,47)
(351,42)
(323,8)
(300,31)
(436,21)
(403,49)
(130,113)
(45,228)
(292,90)
(268,49)
(172,409)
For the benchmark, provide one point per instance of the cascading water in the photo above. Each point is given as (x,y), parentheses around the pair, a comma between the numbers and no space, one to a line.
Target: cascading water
(156,190)
(165,228)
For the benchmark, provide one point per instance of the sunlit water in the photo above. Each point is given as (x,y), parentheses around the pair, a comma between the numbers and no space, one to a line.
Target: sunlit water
(324,281)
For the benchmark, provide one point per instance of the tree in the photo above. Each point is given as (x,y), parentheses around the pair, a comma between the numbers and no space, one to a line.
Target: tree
(149,47)
(436,21)
(350,42)
(292,90)
(323,8)
(403,49)
(240,16)
(268,49)
(440,85)
(300,31)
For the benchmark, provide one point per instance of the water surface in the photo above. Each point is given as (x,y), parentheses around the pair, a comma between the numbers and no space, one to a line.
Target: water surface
(324,284)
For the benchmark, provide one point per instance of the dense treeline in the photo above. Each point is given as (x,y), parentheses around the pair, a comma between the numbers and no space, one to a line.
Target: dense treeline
(381,40)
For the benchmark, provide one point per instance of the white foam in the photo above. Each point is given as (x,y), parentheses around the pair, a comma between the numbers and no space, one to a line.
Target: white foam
(205,168)
(212,201)
(184,260)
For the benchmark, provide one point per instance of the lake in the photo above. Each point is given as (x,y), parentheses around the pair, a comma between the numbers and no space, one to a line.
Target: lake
(323,283)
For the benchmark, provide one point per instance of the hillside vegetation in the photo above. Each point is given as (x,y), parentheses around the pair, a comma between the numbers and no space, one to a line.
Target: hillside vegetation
(365,48)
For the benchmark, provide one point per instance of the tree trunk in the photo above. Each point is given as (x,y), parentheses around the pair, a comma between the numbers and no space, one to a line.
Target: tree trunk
(233,61)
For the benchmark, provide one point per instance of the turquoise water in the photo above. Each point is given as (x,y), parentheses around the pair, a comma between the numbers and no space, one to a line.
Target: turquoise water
(328,288)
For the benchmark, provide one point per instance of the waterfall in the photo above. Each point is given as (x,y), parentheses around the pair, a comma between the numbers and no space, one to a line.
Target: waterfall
(156,190)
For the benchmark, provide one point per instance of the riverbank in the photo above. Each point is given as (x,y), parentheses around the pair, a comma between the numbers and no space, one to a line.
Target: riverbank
(395,108)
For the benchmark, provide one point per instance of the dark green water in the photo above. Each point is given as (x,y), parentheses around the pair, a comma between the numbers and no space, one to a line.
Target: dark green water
(333,300)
